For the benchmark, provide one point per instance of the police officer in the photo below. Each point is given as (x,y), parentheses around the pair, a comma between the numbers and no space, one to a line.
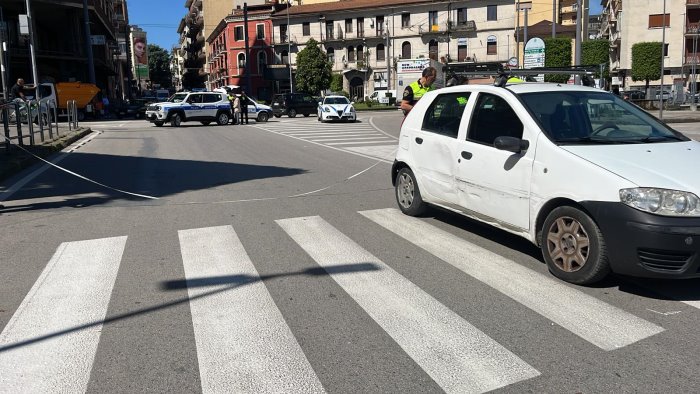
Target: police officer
(417,89)
(245,101)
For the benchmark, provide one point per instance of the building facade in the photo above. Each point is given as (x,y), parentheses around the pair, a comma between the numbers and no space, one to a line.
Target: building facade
(364,39)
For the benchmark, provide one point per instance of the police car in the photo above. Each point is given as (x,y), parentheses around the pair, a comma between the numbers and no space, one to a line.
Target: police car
(336,108)
(205,107)
(596,182)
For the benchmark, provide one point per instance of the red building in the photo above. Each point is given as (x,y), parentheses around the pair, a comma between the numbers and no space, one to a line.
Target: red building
(230,63)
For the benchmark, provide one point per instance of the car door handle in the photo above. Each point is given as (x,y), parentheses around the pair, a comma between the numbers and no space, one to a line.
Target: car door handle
(419,140)
(466,155)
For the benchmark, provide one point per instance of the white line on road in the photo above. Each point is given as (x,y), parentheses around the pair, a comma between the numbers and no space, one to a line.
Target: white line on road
(383,141)
(458,356)
(243,342)
(595,321)
(354,138)
(41,349)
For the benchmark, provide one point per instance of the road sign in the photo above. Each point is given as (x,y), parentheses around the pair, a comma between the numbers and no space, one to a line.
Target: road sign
(534,55)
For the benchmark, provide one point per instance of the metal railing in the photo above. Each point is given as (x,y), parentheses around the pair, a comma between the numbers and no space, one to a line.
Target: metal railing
(72,110)
(38,116)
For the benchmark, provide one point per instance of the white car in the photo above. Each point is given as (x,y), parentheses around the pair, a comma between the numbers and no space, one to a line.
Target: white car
(336,108)
(596,182)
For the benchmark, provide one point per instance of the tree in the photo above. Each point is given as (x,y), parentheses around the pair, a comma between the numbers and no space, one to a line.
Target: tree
(646,62)
(313,69)
(557,53)
(337,83)
(159,66)
(594,53)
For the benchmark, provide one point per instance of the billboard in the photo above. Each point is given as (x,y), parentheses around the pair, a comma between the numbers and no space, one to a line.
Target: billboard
(140,50)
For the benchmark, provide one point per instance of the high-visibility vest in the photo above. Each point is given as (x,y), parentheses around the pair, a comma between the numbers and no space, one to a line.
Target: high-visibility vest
(418,90)
(515,80)
(462,100)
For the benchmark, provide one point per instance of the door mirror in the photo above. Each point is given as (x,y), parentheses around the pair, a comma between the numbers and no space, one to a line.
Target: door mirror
(352,103)
(511,144)
(320,103)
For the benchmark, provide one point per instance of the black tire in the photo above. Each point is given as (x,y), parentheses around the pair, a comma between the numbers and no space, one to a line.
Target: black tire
(407,193)
(278,116)
(176,120)
(263,117)
(81,116)
(222,118)
(206,122)
(158,123)
(306,115)
(292,113)
(573,247)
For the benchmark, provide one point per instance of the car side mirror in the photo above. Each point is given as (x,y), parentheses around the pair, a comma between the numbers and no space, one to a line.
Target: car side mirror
(511,144)
(320,103)
(352,103)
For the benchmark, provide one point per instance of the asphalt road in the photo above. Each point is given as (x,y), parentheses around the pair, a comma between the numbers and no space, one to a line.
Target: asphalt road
(271,257)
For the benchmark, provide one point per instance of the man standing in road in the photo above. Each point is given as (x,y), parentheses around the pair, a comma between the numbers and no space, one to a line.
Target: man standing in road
(244,107)
(416,90)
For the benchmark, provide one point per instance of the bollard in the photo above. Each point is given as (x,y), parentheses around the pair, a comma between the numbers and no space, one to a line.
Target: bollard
(18,118)
(6,127)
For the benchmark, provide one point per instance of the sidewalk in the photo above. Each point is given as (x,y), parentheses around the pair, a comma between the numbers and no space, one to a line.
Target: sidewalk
(15,159)
(678,116)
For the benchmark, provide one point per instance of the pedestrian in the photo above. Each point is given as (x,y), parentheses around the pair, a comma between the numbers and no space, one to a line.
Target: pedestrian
(18,91)
(105,105)
(237,109)
(415,90)
(245,101)
(229,96)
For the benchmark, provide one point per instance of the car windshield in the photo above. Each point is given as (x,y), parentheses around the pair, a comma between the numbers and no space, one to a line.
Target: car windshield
(336,100)
(585,117)
(177,97)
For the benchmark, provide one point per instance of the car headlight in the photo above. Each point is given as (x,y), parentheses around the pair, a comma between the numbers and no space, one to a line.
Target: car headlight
(326,109)
(661,201)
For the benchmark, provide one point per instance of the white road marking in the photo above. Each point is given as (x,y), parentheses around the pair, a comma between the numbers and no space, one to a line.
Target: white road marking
(458,356)
(43,347)
(358,142)
(243,342)
(593,320)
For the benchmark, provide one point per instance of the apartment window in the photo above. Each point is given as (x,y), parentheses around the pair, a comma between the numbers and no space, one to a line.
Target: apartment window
(329,30)
(406,20)
(348,25)
(306,28)
(238,33)
(665,50)
(360,27)
(381,55)
(351,54)
(462,53)
(433,20)
(241,60)
(380,25)
(491,45)
(262,61)
(360,53)
(283,32)
(461,16)
(331,55)
(491,13)
(433,50)
(658,20)
(260,30)
(285,57)
(406,50)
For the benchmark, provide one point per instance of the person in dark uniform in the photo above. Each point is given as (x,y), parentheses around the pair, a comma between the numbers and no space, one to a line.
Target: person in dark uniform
(18,91)
(417,89)
(245,101)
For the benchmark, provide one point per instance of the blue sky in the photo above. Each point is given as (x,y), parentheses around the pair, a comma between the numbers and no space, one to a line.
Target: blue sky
(160,18)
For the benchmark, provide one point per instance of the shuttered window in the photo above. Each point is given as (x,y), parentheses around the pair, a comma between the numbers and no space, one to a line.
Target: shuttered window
(658,20)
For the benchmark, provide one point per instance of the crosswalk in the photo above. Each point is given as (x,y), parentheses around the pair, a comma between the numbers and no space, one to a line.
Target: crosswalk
(243,342)
(361,137)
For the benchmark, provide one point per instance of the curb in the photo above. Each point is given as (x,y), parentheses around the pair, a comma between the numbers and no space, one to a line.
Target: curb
(17,160)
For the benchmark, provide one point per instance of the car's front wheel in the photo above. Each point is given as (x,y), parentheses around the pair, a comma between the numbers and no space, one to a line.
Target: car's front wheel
(278,116)
(573,246)
(263,117)
(158,123)
(176,120)
(407,193)
(292,113)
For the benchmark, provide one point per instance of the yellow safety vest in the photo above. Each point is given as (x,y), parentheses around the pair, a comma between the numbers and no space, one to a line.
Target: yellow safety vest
(462,100)
(515,80)
(418,90)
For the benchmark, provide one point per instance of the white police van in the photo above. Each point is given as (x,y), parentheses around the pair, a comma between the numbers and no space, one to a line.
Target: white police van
(205,107)
(596,182)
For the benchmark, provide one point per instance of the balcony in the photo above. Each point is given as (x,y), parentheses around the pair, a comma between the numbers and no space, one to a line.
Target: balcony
(692,28)
(468,26)
(691,58)
(692,3)
(569,9)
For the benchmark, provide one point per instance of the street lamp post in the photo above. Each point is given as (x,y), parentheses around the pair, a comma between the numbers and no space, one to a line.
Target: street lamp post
(577,53)
(386,49)
(663,47)
(289,50)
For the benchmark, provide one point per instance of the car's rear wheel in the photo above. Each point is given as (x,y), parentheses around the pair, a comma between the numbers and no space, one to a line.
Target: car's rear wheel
(306,115)
(407,193)
(158,123)
(222,119)
(278,116)
(206,122)
(292,113)
(573,246)
(176,120)
(263,117)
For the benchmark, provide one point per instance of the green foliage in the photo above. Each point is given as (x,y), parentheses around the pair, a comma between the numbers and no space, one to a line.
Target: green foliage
(337,83)
(159,66)
(557,53)
(646,61)
(313,69)
(596,52)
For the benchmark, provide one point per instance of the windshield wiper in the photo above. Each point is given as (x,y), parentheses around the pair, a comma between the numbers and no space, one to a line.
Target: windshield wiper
(661,138)
(591,140)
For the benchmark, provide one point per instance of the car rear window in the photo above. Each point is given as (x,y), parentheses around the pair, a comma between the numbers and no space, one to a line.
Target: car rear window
(445,114)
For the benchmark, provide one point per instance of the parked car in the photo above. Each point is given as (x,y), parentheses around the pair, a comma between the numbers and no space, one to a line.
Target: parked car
(593,180)
(336,108)
(205,107)
(291,104)
(635,94)
(666,95)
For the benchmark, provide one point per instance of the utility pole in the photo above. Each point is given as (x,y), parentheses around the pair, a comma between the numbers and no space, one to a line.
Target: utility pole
(517,32)
(387,57)
(289,49)
(577,53)
(554,18)
(247,48)
(35,73)
(693,79)
(663,47)
(3,49)
(88,43)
